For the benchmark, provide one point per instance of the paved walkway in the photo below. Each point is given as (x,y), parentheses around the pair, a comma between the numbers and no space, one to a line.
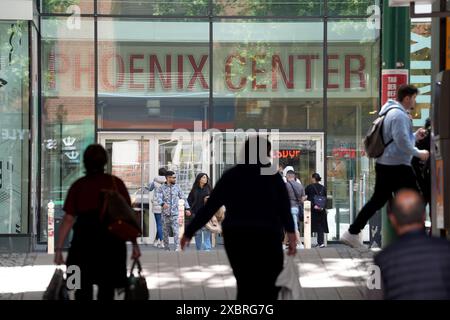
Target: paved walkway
(336,273)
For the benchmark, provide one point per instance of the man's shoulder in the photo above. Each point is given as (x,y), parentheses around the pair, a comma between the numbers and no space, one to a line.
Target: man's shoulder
(430,244)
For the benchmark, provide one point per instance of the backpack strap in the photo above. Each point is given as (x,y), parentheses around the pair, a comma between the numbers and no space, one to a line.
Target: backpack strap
(384,115)
(295,192)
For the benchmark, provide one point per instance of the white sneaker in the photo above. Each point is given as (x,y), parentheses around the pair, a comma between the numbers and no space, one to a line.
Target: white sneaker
(156,243)
(300,246)
(352,240)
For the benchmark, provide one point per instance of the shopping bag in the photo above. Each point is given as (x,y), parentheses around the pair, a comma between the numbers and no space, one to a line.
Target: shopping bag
(57,289)
(288,281)
(136,288)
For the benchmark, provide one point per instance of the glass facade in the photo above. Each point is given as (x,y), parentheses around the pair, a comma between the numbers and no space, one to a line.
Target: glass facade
(306,68)
(14,127)
(67,110)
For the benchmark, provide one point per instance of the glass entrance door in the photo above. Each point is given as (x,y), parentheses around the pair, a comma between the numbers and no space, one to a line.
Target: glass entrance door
(303,152)
(136,159)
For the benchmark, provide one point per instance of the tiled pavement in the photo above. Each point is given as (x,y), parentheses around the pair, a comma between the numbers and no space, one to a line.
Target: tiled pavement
(333,273)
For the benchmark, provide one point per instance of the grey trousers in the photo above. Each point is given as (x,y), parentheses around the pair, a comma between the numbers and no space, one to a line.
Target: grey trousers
(170,222)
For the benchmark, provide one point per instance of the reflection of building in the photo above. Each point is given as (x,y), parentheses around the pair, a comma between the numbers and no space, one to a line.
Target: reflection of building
(151,76)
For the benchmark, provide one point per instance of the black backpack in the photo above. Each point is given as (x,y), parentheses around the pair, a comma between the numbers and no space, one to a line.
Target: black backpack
(373,142)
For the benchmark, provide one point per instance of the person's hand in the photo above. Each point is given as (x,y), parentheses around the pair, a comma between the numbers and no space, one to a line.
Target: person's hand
(424,155)
(292,249)
(188,213)
(165,206)
(59,259)
(420,134)
(206,199)
(136,251)
(184,242)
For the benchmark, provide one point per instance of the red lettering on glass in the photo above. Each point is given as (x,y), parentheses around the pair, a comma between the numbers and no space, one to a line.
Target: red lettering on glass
(332,71)
(228,81)
(105,74)
(359,71)
(256,71)
(308,61)
(134,70)
(164,77)
(180,72)
(276,64)
(198,72)
(88,70)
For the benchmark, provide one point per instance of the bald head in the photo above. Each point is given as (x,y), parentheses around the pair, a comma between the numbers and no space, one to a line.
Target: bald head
(407,208)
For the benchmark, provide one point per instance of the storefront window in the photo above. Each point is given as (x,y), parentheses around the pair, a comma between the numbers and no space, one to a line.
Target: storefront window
(68,72)
(268,74)
(14,127)
(269,8)
(152,74)
(350,8)
(154,7)
(351,109)
(68,6)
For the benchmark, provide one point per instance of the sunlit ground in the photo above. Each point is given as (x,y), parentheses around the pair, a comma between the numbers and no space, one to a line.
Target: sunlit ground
(315,270)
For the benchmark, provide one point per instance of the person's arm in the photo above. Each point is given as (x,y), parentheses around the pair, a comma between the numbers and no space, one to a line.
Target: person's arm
(64,230)
(124,192)
(191,198)
(401,135)
(151,186)
(181,196)
(67,223)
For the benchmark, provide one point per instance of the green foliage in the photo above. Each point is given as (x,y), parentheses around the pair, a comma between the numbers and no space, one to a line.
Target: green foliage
(58,6)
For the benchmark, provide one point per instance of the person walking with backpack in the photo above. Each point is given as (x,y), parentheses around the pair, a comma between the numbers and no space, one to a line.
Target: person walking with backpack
(394,154)
(297,195)
(168,196)
(317,194)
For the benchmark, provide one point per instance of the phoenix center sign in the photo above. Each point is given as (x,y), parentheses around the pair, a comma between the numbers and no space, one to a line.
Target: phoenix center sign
(174,71)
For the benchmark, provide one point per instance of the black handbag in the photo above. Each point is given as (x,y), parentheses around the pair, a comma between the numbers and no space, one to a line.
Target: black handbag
(136,288)
(57,289)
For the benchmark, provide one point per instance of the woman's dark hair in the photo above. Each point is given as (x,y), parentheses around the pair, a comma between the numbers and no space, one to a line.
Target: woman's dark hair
(95,158)
(316,177)
(196,183)
(162,172)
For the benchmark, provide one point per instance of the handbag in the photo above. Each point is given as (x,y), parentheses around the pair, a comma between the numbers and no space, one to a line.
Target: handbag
(57,289)
(118,216)
(300,206)
(136,288)
(213,225)
(289,283)
(319,200)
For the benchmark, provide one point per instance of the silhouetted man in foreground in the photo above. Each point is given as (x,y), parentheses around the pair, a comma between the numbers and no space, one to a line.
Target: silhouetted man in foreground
(415,266)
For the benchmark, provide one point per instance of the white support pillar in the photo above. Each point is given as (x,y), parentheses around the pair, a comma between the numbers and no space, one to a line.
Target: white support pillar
(307,224)
(51,228)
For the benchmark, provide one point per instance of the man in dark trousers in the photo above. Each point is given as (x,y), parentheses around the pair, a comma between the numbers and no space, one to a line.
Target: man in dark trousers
(415,266)
(257,210)
(393,168)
